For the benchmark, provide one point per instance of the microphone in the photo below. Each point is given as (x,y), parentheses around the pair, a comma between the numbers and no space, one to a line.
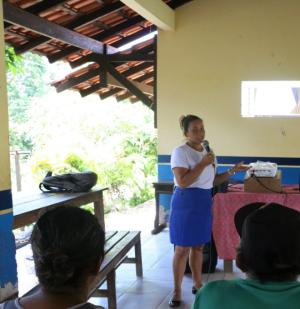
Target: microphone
(206,146)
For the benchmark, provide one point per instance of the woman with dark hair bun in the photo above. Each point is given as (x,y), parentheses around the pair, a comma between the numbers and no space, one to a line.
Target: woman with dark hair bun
(194,168)
(68,248)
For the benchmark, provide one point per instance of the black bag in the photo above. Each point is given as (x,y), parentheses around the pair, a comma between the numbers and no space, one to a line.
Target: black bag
(73,182)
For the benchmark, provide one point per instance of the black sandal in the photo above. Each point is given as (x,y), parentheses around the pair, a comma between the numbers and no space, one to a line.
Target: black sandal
(195,290)
(174,303)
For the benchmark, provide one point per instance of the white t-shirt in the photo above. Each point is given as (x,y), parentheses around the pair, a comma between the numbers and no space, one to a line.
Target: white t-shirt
(187,157)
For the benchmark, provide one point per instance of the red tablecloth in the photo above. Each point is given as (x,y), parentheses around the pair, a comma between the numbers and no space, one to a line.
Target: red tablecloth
(225,206)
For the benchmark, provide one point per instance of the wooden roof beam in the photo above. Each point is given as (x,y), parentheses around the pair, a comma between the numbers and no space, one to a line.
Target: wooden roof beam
(41,7)
(125,82)
(72,82)
(156,11)
(79,22)
(138,55)
(44,27)
(124,96)
(109,93)
(143,87)
(99,37)
(133,37)
(144,77)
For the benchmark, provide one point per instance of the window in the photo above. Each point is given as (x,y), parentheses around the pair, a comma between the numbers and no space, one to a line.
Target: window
(270,98)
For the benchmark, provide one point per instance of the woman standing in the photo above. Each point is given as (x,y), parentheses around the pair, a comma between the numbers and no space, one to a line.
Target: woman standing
(193,167)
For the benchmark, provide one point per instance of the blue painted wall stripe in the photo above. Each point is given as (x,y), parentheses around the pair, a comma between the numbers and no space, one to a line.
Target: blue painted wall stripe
(8,266)
(290,167)
(5,200)
(234,159)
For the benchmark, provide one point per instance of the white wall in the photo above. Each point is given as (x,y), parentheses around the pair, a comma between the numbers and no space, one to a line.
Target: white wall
(216,45)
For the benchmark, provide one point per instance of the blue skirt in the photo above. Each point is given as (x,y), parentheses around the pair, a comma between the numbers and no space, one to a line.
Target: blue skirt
(190,217)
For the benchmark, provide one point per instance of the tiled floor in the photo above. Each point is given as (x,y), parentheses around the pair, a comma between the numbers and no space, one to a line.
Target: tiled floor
(155,288)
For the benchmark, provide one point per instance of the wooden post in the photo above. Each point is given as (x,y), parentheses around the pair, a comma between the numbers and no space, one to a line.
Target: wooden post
(18,171)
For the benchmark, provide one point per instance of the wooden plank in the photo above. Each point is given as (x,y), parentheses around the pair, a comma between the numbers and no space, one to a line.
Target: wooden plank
(130,57)
(77,80)
(143,87)
(109,234)
(72,25)
(90,90)
(145,77)
(133,37)
(124,81)
(41,7)
(49,29)
(119,57)
(99,37)
(27,210)
(109,93)
(124,96)
(114,257)
(113,240)
(156,11)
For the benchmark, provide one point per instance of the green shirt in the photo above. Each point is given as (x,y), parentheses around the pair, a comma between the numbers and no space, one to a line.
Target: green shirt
(248,294)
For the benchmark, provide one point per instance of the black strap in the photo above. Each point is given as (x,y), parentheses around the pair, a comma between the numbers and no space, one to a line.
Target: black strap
(48,189)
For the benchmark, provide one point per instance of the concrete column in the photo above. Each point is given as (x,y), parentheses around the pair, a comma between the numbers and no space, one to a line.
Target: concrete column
(8,267)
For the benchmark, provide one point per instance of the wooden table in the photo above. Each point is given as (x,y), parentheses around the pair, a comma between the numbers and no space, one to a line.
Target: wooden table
(225,206)
(27,208)
(161,187)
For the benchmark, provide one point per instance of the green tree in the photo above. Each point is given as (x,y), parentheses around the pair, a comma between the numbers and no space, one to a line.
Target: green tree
(26,81)
(115,140)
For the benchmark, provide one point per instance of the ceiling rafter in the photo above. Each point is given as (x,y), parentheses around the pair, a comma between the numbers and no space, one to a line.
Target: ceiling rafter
(109,93)
(124,96)
(75,24)
(133,37)
(109,69)
(99,37)
(41,7)
(19,17)
(77,80)
(74,81)
(141,54)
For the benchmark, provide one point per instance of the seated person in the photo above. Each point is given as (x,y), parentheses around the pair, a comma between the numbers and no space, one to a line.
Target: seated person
(269,254)
(68,248)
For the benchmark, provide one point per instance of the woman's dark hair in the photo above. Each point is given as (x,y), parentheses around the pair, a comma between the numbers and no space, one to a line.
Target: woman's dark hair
(270,241)
(68,245)
(186,120)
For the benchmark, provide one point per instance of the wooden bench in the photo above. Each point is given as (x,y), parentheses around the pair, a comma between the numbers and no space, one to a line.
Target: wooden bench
(27,209)
(117,247)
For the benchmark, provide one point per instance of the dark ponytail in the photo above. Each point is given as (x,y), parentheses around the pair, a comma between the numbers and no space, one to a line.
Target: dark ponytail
(186,120)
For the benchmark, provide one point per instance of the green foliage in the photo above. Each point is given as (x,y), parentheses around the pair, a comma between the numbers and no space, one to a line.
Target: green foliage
(117,141)
(75,162)
(13,62)
(29,83)
(67,133)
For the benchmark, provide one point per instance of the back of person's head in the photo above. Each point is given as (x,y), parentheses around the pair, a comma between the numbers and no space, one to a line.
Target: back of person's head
(68,246)
(270,241)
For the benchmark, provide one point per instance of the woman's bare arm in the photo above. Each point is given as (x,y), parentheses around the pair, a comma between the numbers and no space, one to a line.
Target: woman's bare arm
(185,177)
